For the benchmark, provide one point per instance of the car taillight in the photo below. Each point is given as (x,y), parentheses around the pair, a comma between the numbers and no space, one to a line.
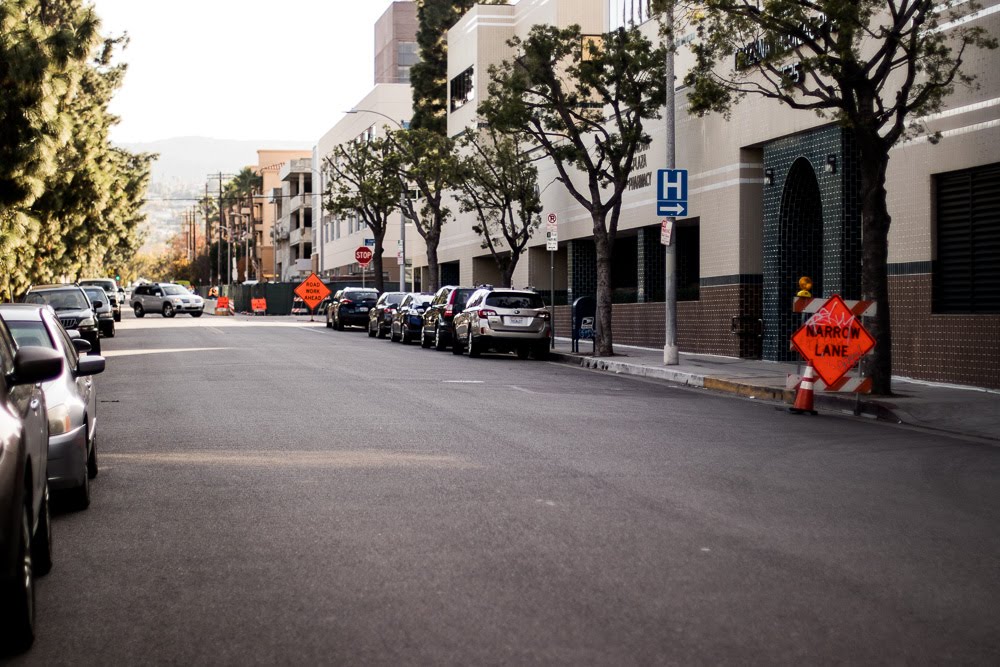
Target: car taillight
(487,313)
(543,315)
(448,312)
(390,310)
(345,302)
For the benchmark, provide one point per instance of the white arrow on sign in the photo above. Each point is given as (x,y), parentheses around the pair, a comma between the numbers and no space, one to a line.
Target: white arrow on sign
(672,208)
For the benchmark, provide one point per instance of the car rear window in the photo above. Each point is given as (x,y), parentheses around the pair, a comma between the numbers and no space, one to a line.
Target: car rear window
(361,296)
(394,299)
(462,297)
(509,300)
(60,299)
(30,334)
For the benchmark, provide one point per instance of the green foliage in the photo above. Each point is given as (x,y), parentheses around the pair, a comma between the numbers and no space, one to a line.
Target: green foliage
(69,201)
(365,182)
(584,103)
(429,77)
(498,181)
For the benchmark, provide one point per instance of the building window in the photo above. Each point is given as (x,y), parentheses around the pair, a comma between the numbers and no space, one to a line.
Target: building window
(688,239)
(967,268)
(462,89)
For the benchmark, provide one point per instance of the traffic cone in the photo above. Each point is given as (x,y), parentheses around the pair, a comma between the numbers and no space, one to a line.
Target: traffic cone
(804,397)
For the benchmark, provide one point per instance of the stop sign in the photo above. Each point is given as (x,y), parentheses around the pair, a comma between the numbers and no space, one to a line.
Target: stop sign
(363,255)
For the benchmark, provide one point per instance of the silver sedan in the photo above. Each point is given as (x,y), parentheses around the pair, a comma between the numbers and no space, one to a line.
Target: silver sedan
(71,399)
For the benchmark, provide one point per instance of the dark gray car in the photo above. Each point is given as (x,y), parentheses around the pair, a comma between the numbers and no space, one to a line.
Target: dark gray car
(73,308)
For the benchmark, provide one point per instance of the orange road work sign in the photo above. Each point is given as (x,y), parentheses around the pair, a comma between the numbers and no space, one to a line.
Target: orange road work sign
(258,305)
(222,303)
(312,291)
(833,340)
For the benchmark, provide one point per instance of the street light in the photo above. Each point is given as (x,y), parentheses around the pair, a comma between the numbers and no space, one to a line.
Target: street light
(402,125)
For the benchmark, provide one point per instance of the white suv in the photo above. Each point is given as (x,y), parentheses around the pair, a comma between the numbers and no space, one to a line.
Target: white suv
(166,298)
(504,320)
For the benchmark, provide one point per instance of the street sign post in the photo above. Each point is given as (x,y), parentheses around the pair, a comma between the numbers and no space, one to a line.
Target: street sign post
(552,245)
(363,255)
(552,232)
(312,291)
(666,231)
(833,340)
(370,243)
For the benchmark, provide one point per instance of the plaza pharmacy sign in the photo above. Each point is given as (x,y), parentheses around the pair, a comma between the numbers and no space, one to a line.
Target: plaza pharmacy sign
(833,340)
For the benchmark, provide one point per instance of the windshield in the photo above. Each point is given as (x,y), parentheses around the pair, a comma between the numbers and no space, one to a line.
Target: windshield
(60,299)
(361,296)
(95,293)
(175,290)
(508,300)
(30,334)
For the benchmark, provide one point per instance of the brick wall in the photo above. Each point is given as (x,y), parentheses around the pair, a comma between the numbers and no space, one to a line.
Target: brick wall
(945,348)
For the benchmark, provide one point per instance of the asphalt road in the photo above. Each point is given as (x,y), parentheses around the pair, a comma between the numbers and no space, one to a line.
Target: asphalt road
(274,492)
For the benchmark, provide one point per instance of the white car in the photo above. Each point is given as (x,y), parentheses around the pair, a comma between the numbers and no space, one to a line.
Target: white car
(167,299)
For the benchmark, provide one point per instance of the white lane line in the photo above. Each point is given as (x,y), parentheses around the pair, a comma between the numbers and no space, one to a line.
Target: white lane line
(312,330)
(526,391)
(216,330)
(462,381)
(133,353)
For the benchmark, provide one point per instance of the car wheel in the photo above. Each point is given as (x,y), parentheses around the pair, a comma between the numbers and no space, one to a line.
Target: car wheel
(392,334)
(110,333)
(92,468)
(95,345)
(472,347)
(41,543)
(328,324)
(404,335)
(137,309)
(523,351)
(118,317)
(381,331)
(79,498)
(439,343)
(540,350)
(371,332)
(19,617)
(168,310)
(196,313)
(456,346)
(425,342)
(340,324)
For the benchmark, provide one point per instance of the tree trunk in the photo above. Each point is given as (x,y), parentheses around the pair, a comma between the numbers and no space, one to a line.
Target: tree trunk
(377,253)
(507,270)
(875,222)
(433,269)
(603,346)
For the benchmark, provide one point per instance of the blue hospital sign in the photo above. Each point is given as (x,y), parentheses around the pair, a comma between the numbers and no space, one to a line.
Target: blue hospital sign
(671,192)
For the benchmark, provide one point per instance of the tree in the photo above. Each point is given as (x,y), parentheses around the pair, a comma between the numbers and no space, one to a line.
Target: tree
(239,193)
(875,67)
(365,181)
(428,164)
(584,103)
(429,77)
(498,181)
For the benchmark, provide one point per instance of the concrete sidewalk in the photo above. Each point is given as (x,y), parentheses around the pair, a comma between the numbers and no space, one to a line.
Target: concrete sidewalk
(947,408)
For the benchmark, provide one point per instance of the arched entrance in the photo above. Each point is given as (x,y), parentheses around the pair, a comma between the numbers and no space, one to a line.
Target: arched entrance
(800,253)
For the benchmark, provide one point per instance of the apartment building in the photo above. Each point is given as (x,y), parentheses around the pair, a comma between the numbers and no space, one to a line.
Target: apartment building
(774,194)
(269,166)
(293,206)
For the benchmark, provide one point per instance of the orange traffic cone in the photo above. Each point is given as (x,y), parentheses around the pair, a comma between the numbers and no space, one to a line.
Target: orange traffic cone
(804,397)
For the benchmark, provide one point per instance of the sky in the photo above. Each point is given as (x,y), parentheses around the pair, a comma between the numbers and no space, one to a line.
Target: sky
(240,69)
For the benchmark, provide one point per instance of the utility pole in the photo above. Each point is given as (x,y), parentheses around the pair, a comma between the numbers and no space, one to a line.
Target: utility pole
(671,354)
(208,242)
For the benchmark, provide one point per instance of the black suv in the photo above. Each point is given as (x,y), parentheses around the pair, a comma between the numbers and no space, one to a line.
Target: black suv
(380,316)
(439,328)
(350,307)
(73,308)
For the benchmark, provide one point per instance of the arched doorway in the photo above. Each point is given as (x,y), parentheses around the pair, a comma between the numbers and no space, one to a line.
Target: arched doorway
(800,249)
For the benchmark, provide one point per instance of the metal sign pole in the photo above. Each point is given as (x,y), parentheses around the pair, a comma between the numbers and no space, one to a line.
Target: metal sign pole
(552,295)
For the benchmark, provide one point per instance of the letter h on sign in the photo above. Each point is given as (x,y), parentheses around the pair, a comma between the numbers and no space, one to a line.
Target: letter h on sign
(671,192)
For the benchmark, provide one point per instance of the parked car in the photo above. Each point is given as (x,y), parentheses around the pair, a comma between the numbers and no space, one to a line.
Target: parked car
(105,315)
(408,319)
(324,308)
(503,320)
(380,316)
(350,307)
(25,527)
(166,298)
(71,400)
(439,327)
(73,308)
(115,293)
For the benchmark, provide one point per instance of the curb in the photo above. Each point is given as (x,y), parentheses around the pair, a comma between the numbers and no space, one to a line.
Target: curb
(869,407)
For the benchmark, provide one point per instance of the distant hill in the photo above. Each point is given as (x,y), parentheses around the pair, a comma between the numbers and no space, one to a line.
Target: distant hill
(189,160)
(180,174)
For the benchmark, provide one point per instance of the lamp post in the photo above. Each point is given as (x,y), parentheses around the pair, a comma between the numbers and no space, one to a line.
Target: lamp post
(402,218)
(671,353)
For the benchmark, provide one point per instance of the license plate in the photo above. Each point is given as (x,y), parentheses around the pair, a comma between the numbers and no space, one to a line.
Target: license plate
(517,321)
(363,309)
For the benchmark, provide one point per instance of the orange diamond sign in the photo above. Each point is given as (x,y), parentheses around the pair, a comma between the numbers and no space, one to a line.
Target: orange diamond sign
(833,340)
(312,291)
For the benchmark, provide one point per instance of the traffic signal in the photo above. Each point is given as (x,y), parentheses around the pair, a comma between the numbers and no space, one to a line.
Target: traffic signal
(118,277)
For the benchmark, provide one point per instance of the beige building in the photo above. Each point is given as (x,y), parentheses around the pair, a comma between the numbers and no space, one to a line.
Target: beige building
(773,194)
(396,49)
(269,164)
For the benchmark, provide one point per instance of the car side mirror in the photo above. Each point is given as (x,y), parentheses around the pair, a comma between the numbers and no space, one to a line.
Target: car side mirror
(82,345)
(98,304)
(36,364)
(90,365)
